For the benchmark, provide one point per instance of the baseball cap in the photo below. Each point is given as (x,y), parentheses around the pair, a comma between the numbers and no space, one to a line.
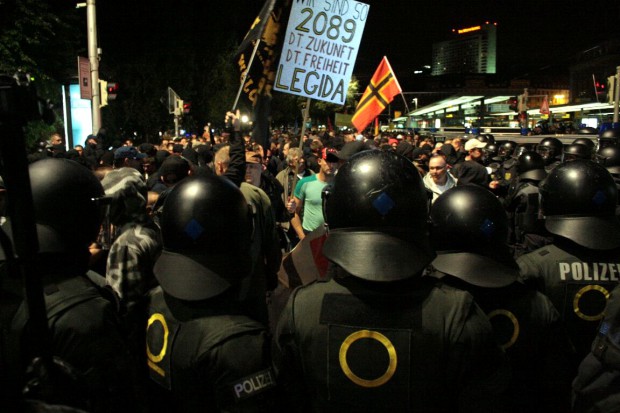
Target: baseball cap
(329,154)
(128,152)
(474,144)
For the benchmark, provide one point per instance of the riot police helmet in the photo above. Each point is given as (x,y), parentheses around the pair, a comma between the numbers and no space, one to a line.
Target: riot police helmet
(490,138)
(491,150)
(531,165)
(578,200)
(587,131)
(69,204)
(576,151)
(482,138)
(376,212)
(469,231)
(610,134)
(549,149)
(587,142)
(507,149)
(609,157)
(206,228)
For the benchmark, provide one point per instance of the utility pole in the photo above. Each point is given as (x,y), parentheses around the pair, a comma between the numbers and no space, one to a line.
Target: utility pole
(617,97)
(93,58)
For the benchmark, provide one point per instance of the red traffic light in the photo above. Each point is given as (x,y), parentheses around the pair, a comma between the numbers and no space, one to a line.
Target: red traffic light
(112,90)
(187,106)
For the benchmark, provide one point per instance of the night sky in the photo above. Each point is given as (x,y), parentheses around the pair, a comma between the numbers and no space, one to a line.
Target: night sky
(531,33)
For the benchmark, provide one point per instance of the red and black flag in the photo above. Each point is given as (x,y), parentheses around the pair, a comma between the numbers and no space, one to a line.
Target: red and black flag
(379,93)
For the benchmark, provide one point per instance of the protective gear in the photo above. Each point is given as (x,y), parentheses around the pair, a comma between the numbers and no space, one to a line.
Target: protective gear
(470,233)
(587,131)
(506,149)
(69,204)
(579,201)
(490,152)
(610,134)
(490,138)
(549,148)
(587,142)
(206,231)
(483,138)
(531,166)
(207,358)
(609,157)
(378,206)
(576,151)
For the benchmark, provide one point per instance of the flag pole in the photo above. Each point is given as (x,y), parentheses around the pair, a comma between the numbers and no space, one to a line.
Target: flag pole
(301,142)
(405,100)
(303,125)
(245,75)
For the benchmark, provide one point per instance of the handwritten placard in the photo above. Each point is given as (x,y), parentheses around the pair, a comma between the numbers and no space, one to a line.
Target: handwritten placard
(320,47)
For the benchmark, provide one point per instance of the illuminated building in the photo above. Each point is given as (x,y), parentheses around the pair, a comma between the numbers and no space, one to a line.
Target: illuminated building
(471,50)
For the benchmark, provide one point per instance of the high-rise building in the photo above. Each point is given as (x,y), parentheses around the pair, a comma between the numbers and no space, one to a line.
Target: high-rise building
(471,50)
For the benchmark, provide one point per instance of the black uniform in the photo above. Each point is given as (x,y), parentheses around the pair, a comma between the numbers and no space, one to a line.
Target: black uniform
(209,357)
(528,327)
(578,281)
(377,333)
(353,345)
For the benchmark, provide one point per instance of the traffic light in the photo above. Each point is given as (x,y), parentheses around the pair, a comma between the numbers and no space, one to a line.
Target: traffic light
(513,104)
(112,90)
(601,91)
(187,107)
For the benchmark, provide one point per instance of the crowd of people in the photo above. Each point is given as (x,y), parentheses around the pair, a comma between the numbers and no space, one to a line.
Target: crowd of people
(463,274)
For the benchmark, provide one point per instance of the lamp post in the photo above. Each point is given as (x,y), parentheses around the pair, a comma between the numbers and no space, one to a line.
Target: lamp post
(93,57)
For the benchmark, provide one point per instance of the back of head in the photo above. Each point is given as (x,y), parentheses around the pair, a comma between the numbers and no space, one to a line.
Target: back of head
(470,233)
(377,211)
(579,199)
(206,231)
(68,204)
(531,165)
(128,192)
(174,169)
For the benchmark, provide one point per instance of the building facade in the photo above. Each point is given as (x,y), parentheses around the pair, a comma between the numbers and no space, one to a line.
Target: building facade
(471,50)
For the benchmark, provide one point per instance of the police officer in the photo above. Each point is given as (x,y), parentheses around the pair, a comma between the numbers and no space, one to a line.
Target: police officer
(582,265)
(203,352)
(522,204)
(506,174)
(551,150)
(470,233)
(576,151)
(82,317)
(377,333)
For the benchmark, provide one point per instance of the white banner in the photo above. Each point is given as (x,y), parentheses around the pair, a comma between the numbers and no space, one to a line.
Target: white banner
(320,47)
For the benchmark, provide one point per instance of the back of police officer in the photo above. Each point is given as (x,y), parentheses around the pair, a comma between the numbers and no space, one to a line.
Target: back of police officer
(201,348)
(522,203)
(582,265)
(470,232)
(82,317)
(377,335)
